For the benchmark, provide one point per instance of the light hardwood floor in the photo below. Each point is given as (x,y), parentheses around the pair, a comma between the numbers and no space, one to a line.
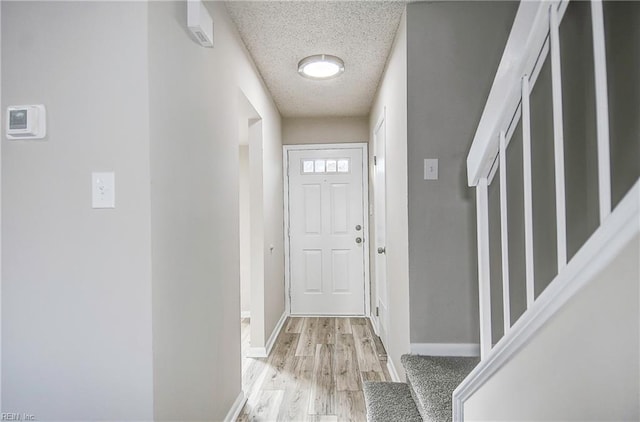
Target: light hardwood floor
(314,373)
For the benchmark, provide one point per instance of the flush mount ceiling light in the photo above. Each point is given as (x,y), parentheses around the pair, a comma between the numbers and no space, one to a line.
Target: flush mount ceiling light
(321,66)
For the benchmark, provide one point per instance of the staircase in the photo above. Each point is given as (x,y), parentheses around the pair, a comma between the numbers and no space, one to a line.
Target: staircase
(426,396)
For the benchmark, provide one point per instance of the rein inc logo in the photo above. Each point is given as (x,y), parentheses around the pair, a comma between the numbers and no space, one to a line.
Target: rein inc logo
(7,416)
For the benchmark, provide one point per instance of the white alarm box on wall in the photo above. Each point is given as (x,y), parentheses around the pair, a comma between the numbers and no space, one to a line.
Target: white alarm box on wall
(26,122)
(200,23)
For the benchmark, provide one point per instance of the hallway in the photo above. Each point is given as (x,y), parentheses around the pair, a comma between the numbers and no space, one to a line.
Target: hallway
(315,372)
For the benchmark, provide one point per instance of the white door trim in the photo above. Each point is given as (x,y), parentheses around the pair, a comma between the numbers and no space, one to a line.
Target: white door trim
(365,208)
(382,120)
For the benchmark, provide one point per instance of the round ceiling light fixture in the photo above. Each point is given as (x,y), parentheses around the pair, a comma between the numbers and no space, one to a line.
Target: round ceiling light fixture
(320,66)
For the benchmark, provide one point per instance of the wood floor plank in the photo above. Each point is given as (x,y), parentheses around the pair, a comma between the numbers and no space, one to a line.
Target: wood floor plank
(295,404)
(372,376)
(294,325)
(281,363)
(268,405)
(326,331)
(252,368)
(306,378)
(323,388)
(367,357)
(322,418)
(343,326)
(351,407)
(358,321)
(346,367)
(385,371)
(303,370)
(377,342)
(254,393)
(306,343)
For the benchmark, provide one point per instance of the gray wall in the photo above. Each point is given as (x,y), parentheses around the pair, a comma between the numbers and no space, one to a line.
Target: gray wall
(622,29)
(515,224)
(76,293)
(453,52)
(495,257)
(545,248)
(319,130)
(579,115)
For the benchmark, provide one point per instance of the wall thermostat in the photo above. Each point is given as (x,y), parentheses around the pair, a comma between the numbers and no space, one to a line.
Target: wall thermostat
(26,122)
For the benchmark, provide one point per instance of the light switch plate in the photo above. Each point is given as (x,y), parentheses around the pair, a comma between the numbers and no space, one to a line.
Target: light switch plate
(103,190)
(431,169)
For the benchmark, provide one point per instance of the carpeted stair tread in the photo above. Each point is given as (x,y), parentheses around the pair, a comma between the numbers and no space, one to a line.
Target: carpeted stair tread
(432,380)
(439,367)
(390,401)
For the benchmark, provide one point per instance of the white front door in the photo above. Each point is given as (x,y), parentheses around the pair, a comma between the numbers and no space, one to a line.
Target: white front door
(326,231)
(381,310)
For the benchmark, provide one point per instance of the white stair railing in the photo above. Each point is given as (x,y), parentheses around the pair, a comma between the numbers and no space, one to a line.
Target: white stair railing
(534,36)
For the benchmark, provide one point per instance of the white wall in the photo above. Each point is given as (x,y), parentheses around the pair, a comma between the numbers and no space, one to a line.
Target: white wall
(195,170)
(1,131)
(258,337)
(392,97)
(76,282)
(319,130)
(245,228)
(130,313)
(583,365)
(253,88)
(195,110)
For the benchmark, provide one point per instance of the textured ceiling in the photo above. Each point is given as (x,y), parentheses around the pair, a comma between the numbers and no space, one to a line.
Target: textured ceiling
(279,34)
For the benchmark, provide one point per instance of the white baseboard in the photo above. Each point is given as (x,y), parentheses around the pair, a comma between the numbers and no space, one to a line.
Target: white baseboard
(446,349)
(257,352)
(263,352)
(236,408)
(392,370)
(374,324)
(245,314)
(276,332)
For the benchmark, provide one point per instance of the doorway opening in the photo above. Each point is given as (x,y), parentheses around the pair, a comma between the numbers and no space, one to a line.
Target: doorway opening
(251,230)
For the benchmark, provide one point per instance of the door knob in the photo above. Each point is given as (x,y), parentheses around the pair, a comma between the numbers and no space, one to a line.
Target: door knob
(358,240)
(382,250)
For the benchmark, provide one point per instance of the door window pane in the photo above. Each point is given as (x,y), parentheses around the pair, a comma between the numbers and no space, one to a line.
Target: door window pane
(307,166)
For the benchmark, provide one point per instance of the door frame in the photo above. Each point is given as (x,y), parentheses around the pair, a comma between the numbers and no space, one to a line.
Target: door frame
(365,213)
(382,120)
